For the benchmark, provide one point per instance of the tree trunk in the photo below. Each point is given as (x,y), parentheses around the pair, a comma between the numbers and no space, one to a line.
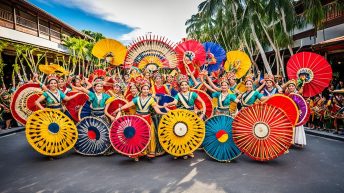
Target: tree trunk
(261,50)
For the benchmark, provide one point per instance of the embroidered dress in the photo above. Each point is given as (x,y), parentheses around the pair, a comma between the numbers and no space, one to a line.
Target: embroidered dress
(250,97)
(97,103)
(143,109)
(223,102)
(266,92)
(54,100)
(186,101)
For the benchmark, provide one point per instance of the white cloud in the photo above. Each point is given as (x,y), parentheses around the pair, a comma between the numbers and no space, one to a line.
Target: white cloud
(161,17)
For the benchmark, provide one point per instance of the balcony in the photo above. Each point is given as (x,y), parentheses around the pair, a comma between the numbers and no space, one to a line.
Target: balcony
(28,26)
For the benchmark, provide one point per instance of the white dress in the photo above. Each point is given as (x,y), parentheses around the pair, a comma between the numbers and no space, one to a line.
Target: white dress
(300,135)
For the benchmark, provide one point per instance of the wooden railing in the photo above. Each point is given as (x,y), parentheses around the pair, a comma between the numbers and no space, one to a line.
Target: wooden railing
(6,15)
(26,23)
(332,11)
(55,34)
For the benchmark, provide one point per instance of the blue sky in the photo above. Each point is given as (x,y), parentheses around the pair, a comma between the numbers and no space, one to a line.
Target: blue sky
(83,20)
(124,20)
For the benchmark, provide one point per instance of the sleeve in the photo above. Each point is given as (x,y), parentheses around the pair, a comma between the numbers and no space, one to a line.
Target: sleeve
(62,95)
(176,97)
(135,100)
(215,94)
(91,95)
(194,96)
(45,94)
(106,97)
(232,97)
(152,102)
(259,95)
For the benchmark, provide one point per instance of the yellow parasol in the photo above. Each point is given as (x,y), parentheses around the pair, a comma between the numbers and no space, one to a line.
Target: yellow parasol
(152,63)
(238,62)
(53,68)
(112,49)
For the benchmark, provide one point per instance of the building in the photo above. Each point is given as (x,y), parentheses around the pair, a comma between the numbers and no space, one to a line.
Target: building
(24,23)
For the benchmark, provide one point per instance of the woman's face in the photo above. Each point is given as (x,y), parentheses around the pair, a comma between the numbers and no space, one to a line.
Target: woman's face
(147,75)
(224,86)
(269,83)
(145,90)
(291,87)
(53,84)
(117,88)
(61,83)
(77,82)
(184,86)
(169,79)
(231,81)
(133,90)
(98,88)
(249,85)
(158,80)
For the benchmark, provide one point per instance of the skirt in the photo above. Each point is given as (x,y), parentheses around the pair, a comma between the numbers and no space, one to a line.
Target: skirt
(300,135)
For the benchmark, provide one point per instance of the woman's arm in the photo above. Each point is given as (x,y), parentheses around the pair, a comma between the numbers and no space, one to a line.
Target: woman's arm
(212,84)
(126,106)
(174,102)
(38,102)
(261,87)
(112,118)
(68,98)
(207,86)
(81,89)
(157,110)
(203,106)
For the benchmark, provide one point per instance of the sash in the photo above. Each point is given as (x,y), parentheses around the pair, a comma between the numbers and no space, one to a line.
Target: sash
(184,101)
(246,98)
(143,107)
(220,101)
(268,93)
(53,96)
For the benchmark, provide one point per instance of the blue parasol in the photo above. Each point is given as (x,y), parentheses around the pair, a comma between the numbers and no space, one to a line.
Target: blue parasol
(215,55)
(218,142)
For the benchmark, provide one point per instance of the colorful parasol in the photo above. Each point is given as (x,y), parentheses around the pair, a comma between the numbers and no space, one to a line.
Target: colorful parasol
(311,68)
(151,52)
(130,135)
(287,105)
(262,131)
(181,132)
(115,104)
(50,132)
(162,99)
(93,136)
(73,106)
(303,108)
(237,62)
(215,55)
(218,142)
(23,101)
(191,53)
(207,101)
(110,50)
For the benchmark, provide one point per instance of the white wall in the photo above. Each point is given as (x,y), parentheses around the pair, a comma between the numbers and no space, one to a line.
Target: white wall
(30,39)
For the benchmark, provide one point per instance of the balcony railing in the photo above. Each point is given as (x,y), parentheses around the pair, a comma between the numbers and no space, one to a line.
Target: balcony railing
(332,11)
(55,34)
(6,15)
(26,23)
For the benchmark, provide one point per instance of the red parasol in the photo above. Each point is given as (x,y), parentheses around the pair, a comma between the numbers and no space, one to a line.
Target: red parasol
(23,101)
(190,51)
(311,68)
(287,105)
(115,104)
(73,106)
(207,101)
(130,135)
(262,131)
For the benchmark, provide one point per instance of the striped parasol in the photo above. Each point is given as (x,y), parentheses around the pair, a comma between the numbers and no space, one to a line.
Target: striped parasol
(262,131)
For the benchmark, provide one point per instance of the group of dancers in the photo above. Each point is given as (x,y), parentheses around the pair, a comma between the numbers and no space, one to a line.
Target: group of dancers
(154,93)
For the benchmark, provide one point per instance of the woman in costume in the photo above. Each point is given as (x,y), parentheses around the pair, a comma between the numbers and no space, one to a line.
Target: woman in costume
(97,97)
(53,96)
(269,88)
(5,100)
(299,135)
(250,96)
(144,104)
(231,83)
(224,98)
(116,91)
(62,86)
(159,87)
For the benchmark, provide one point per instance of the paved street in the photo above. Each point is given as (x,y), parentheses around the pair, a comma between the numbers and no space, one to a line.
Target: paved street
(318,168)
